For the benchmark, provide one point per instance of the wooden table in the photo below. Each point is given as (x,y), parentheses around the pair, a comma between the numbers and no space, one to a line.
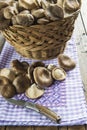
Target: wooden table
(80,32)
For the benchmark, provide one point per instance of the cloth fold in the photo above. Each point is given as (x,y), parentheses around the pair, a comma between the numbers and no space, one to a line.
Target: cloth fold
(66,98)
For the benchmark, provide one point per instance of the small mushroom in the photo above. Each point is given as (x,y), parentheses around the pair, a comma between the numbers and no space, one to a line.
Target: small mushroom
(38,13)
(24,19)
(34,92)
(4,3)
(18,67)
(21,83)
(66,62)
(38,2)
(53,11)
(42,77)
(28,4)
(32,67)
(51,67)
(7,89)
(43,21)
(25,65)
(8,73)
(72,5)
(10,11)
(58,74)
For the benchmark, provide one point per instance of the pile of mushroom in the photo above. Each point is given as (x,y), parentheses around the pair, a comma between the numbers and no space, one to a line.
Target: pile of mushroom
(32,79)
(31,12)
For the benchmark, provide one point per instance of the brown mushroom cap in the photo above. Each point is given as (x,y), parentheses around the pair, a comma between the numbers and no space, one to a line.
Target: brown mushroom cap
(21,83)
(58,74)
(42,77)
(17,67)
(66,62)
(32,67)
(7,90)
(38,13)
(8,73)
(4,3)
(34,92)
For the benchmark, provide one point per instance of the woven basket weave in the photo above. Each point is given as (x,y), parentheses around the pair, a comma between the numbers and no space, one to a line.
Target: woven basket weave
(41,42)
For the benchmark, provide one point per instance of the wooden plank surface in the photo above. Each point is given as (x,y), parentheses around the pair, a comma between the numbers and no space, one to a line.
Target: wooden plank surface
(19,128)
(46,128)
(76,128)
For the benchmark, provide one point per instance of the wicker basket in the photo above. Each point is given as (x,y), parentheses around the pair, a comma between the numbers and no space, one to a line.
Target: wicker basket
(41,42)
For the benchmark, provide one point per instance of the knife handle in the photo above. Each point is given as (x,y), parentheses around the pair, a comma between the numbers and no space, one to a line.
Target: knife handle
(47,112)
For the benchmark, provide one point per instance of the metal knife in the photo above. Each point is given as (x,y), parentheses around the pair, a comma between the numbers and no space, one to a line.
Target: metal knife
(36,107)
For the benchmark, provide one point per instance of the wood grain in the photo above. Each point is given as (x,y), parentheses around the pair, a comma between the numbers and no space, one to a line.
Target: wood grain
(2,128)
(76,128)
(19,128)
(46,128)
(63,128)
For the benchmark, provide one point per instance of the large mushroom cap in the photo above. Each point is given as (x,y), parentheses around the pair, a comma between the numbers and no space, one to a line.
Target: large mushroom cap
(21,83)
(7,90)
(66,62)
(7,73)
(58,74)
(34,92)
(42,77)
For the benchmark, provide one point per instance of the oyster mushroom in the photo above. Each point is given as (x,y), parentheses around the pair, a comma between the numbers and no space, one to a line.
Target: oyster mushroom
(38,13)
(24,19)
(8,73)
(18,67)
(28,4)
(53,11)
(72,5)
(34,92)
(10,11)
(66,62)
(4,3)
(25,12)
(42,77)
(43,21)
(58,74)
(25,65)
(21,83)
(7,89)
(32,67)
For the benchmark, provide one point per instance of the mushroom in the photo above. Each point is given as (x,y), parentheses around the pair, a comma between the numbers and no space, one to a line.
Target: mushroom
(51,67)
(38,13)
(43,21)
(8,73)
(66,62)
(10,11)
(58,74)
(4,3)
(38,2)
(24,19)
(53,11)
(28,4)
(7,89)
(72,5)
(42,77)
(32,67)
(34,92)
(21,83)
(25,12)
(18,67)
(25,65)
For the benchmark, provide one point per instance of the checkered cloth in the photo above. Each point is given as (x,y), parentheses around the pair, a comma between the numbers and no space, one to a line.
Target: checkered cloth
(66,98)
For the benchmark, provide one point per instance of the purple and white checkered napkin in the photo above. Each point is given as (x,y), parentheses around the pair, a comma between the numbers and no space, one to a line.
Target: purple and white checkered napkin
(66,98)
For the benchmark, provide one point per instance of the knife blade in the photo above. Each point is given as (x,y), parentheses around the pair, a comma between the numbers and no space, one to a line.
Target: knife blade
(36,107)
